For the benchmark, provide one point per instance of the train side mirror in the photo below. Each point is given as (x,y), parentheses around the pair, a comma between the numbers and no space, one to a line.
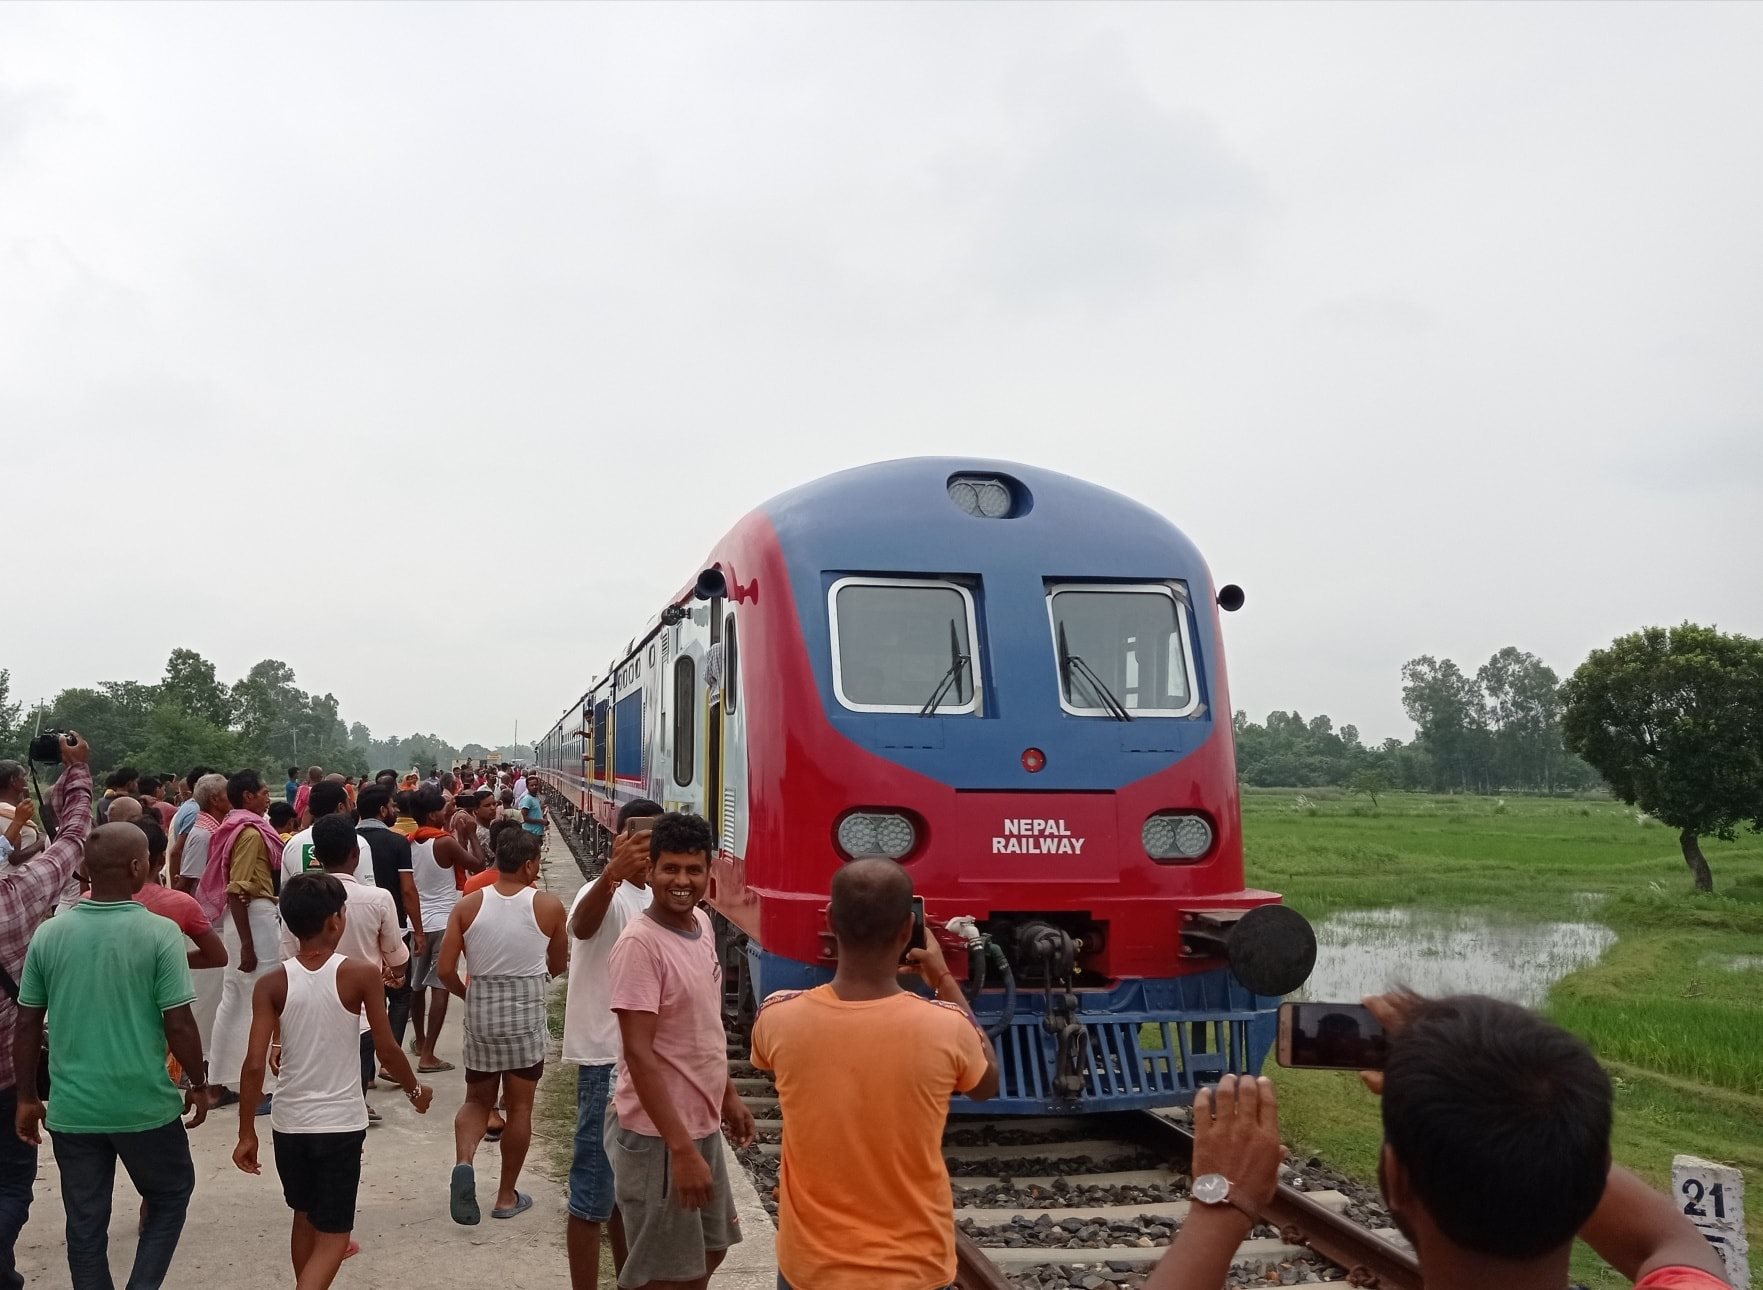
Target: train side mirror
(1230,597)
(711,585)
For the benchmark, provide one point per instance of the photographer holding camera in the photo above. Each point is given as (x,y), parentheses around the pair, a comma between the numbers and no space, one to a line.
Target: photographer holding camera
(1496,1154)
(27,898)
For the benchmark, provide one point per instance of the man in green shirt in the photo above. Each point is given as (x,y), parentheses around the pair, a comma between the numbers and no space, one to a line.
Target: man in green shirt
(113,977)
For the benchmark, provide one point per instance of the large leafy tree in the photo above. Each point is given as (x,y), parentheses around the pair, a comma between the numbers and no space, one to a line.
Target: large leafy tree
(191,684)
(1673,719)
(1523,697)
(1449,714)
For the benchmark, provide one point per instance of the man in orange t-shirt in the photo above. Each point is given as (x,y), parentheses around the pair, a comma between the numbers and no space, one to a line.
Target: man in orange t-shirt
(864,1199)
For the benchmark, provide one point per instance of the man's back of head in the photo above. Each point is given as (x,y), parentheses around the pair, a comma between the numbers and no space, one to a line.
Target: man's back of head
(326,799)
(1496,1126)
(333,841)
(871,901)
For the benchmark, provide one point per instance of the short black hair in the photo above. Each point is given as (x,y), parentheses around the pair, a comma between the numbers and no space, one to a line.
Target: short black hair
(155,835)
(468,801)
(386,774)
(871,901)
(121,777)
(293,772)
(325,798)
(9,771)
(241,784)
(148,784)
(370,801)
(1502,1122)
(281,813)
(424,802)
(679,834)
(309,899)
(333,840)
(197,774)
(515,848)
(638,808)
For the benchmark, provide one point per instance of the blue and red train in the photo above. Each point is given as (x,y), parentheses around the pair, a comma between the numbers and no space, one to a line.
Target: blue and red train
(1013,683)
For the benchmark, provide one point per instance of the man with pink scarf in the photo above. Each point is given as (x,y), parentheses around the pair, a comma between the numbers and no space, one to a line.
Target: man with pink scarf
(239,887)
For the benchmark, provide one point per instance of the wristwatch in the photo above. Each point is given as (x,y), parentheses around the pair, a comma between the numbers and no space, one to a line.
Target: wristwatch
(1214,1190)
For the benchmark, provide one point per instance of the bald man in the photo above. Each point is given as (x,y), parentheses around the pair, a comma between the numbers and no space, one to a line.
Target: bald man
(124,810)
(113,976)
(898,1055)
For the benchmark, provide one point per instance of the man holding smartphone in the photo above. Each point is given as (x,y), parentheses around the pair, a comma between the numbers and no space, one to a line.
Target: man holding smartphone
(898,1056)
(1496,1154)
(602,910)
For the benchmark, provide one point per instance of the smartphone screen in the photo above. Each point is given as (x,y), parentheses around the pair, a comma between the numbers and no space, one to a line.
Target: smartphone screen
(1331,1036)
(917,941)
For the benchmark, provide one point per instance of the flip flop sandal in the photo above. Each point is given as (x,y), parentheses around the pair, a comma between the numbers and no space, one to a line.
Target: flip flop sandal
(492,1135)
(436,1069)
(522,1203)
(462,1197)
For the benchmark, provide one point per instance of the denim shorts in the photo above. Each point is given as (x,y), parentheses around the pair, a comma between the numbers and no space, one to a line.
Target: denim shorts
(591,1196)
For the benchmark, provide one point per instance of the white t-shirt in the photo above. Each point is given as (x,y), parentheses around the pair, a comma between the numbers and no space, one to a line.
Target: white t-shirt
(590,1030)
(297,857)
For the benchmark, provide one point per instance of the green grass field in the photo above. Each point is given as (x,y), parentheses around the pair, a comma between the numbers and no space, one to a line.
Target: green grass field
(1674,1007)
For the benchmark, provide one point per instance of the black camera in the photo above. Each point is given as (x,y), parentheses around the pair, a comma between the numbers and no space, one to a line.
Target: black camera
(46,747)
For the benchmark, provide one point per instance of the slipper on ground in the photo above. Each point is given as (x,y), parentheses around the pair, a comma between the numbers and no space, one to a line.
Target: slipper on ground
(462,1197)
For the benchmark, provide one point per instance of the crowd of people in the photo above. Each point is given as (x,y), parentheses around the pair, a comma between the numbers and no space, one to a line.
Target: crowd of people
(350,913)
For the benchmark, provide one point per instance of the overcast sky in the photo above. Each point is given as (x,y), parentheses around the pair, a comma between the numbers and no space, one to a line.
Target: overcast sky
(427,348)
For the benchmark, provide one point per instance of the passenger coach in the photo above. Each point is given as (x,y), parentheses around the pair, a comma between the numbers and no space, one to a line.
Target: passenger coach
(1013,683)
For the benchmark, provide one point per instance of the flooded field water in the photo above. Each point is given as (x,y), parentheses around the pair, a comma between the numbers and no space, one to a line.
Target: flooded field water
(1436,952)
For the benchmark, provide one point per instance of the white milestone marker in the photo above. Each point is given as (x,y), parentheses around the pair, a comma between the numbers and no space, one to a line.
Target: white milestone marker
(1713,1198)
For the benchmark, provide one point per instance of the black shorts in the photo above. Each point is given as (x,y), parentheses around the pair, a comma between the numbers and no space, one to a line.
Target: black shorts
(320,1174)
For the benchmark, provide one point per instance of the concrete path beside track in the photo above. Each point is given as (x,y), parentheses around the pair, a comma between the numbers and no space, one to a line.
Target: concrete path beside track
(236,1237)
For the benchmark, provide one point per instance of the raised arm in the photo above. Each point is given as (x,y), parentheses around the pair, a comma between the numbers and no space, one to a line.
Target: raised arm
(630,857)
(1636,1231)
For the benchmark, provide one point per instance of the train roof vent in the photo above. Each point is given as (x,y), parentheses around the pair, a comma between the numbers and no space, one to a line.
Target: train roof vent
(985,497)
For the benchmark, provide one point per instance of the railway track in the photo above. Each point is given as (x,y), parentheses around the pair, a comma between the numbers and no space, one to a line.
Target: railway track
(1092,1202)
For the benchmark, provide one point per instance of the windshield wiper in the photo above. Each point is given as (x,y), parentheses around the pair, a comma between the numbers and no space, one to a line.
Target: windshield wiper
(958,661)
(1069,662)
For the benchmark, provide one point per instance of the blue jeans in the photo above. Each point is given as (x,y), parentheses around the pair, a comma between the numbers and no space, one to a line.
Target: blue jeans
(18,1171)
(159,1165)
(591,1195)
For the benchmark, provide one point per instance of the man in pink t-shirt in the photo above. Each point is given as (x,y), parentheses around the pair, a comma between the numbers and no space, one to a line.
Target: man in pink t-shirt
(673,1088)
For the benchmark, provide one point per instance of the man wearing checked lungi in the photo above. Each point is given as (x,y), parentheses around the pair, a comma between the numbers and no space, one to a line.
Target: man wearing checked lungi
(513,940)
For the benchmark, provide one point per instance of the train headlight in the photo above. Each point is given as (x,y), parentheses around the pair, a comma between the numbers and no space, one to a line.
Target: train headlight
(981,496)
(1175,836)
(877,833)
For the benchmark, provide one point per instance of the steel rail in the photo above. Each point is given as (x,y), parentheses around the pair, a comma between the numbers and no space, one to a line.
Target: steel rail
(1368,1259)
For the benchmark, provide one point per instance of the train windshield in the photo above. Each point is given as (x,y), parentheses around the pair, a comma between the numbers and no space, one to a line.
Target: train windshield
(1122,651)
(903,645)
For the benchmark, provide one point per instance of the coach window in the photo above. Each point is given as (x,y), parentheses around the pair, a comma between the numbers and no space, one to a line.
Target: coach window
(685,719)
(904,645)
(731,670)
(1124,645)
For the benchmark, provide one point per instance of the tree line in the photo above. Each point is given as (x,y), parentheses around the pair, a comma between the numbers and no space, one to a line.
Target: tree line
(190,717)
(1498,729)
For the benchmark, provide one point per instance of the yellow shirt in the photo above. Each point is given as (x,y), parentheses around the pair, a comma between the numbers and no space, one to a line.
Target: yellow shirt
(250,873)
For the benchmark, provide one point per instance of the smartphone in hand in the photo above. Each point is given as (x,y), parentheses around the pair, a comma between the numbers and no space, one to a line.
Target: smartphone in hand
(1331,1037)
